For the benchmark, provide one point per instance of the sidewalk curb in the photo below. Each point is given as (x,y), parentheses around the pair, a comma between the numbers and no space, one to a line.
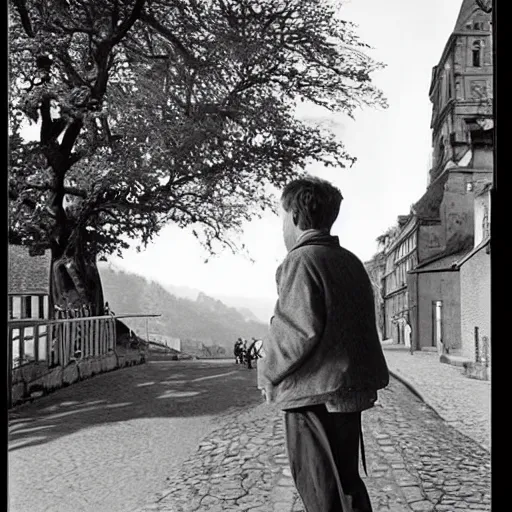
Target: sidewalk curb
(411,387)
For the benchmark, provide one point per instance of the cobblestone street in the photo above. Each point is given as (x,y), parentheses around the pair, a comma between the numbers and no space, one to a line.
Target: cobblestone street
(108,444)
(416,462)
(462,402)
(195,436)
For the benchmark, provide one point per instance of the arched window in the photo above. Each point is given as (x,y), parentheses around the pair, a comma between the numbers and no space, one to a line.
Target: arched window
(477,50)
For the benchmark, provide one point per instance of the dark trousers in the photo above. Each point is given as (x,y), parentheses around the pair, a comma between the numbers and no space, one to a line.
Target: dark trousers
(310,465)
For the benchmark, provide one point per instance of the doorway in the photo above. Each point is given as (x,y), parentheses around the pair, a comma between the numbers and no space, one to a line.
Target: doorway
(437,320)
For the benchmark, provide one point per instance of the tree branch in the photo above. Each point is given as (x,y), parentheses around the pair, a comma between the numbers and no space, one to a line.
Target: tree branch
(101,55)
(25,18)
(127,24)
(70,137)
(70,191)
(76,79)
(169,36)
(46,120)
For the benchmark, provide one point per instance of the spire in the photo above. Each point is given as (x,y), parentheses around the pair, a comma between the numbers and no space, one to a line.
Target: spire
(467,10)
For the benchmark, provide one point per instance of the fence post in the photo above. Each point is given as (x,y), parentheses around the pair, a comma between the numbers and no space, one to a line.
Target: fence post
(477,346)
(9,368)
(114,334)
(485,350)
(49,338)
(36,342)
(96,337)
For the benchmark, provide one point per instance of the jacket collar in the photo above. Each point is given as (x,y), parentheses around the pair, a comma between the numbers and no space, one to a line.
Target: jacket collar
(316,237)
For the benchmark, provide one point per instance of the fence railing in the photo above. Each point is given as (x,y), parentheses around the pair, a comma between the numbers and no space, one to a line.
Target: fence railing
(57,342)
(54,343)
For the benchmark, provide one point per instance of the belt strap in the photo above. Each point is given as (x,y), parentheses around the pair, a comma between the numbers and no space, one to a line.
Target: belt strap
(363,458)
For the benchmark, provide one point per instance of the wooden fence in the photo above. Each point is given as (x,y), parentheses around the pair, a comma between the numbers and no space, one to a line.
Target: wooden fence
(58,342)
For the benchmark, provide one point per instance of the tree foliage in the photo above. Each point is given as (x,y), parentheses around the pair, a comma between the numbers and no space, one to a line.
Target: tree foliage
(183,111)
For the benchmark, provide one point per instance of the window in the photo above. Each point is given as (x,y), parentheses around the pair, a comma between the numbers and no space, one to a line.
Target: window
(477,49)
(27,302)
(41,306)
(16,307)
(36,313)
(45,306)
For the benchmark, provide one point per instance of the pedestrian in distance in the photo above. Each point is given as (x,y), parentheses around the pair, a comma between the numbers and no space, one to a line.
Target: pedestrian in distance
(237,351)
(244,351)
(323,363)
(251,353)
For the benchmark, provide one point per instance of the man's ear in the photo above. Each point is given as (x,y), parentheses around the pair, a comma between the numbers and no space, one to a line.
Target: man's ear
(295,218)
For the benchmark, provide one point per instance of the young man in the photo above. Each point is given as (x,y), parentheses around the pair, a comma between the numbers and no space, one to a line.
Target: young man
(323,361)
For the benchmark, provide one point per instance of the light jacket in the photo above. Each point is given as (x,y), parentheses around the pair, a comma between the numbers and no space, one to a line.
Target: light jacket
(323,340)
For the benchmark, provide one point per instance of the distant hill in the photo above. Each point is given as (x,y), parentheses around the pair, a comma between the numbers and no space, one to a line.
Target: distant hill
(261,308)
(248,314)
(205,320)
(183,292)
(253,308)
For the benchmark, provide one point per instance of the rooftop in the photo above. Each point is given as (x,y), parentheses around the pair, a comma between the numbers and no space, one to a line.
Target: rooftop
(27,274)
(457,247)
(468,8)
(427,207)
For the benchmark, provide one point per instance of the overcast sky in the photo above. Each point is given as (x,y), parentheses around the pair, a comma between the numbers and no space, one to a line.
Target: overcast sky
(392,147)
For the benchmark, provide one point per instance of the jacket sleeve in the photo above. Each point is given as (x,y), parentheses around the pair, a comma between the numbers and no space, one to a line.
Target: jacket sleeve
(298,321)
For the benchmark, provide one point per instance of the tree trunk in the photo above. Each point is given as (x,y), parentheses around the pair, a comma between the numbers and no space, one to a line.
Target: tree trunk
(75,284)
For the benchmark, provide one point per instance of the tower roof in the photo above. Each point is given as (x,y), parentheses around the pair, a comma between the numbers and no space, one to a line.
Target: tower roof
(468,8)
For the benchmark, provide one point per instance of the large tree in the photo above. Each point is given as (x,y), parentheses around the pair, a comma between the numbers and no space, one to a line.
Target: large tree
(157,111)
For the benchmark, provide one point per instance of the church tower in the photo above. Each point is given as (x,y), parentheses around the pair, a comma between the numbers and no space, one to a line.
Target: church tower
(461,96)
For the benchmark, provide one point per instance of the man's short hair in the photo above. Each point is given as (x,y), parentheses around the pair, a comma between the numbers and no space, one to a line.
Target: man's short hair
(315,203)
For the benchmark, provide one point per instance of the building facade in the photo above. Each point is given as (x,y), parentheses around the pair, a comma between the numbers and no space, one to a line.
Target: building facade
(461,92)
(475,286)
(375,268)
(422,283)
(28,284)
(400,257)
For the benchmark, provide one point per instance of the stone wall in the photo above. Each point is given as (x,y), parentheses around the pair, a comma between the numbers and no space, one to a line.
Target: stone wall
(475,285)
(444,286)
(33,380)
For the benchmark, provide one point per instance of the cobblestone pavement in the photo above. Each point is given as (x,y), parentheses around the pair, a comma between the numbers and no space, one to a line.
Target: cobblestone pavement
(416,462)
(108,444)
(463,402)
(194,436)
